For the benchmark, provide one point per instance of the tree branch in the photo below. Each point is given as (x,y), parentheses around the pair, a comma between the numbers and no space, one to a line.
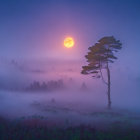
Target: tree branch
(103,77)
(102,73)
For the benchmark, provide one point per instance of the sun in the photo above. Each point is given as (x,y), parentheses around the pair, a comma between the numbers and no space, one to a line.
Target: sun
(68,42)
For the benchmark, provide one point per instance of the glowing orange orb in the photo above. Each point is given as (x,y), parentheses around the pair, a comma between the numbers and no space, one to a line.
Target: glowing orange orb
(68,42)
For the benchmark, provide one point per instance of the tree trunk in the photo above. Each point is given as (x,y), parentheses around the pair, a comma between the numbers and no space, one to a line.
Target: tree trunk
(108,92)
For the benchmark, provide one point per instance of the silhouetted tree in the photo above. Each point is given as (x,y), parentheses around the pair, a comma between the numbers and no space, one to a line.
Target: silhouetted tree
(35,85)
(44,86)
(99,57)
(83,87)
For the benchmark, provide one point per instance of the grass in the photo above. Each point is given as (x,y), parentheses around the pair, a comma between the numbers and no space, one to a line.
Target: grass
(17,130)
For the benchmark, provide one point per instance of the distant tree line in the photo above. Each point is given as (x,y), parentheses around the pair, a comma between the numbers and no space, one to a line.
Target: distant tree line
(43,86)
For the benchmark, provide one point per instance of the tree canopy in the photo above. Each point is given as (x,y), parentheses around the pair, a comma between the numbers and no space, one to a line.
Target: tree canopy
(100,55)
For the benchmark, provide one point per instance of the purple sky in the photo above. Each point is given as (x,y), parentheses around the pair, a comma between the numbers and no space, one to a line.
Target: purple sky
(34,30)
(37,28)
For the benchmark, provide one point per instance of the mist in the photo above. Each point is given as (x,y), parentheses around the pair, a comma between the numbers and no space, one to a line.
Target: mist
(17,102)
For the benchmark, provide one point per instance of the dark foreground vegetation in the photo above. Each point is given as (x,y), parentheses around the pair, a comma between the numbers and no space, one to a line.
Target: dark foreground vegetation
(18,130)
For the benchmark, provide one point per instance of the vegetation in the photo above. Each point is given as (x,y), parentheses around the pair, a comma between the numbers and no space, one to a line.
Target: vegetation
(49,86)
(99,57)
(18,131)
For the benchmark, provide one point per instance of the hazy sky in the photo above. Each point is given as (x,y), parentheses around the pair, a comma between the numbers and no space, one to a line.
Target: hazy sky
(35,29)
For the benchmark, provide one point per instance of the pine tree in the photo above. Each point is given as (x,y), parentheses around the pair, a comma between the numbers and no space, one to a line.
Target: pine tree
(99,57)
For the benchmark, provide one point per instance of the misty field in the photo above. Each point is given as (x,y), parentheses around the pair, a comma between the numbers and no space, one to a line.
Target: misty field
(31,116)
